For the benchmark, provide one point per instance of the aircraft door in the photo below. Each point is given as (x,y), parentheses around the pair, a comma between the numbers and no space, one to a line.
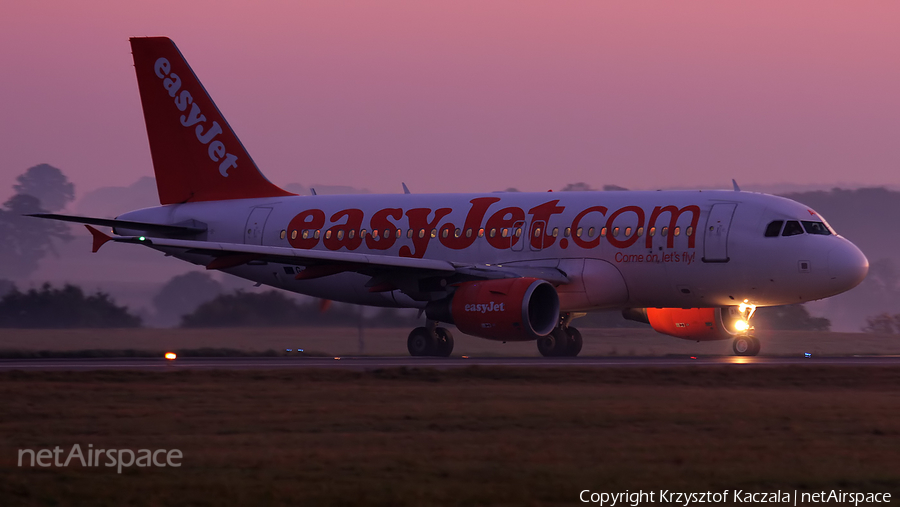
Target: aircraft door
(715,236)
(253,232)
(518,236)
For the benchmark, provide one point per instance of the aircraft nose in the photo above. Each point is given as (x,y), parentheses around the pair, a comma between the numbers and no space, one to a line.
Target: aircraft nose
(847,265)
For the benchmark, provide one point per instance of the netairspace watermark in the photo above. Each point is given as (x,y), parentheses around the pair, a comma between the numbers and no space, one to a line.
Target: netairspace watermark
(732,497)
(117,458)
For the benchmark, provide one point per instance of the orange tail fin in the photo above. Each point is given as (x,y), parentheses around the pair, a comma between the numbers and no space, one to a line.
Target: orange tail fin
(196,155)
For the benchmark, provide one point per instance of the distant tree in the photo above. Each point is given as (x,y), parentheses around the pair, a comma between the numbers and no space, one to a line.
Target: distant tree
(789,317)
(48,184)
(182,295)
(512,189)
(267,309)
(68,307)
(26,240)
(392,317)
(883,323)
(577,187)
(614,188)
(6,286)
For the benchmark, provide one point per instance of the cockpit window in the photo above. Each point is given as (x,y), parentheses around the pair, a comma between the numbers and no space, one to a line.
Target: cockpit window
(816,228)
(792,228)
(774,228)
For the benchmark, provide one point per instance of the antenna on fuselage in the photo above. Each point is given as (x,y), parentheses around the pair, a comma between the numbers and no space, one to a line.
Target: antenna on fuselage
(312,191)
(736,187)
(405,188)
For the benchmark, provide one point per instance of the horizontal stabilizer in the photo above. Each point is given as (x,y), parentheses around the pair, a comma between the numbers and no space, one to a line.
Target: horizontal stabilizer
(170,230)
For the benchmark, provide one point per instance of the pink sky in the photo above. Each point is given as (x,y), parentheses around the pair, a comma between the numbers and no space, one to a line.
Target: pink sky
(473,96)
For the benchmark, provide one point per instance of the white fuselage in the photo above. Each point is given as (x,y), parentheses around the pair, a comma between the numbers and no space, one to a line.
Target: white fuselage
(618,249)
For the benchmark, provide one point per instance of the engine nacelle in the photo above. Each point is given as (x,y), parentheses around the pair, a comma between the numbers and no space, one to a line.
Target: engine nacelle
(509,309)
(700,324)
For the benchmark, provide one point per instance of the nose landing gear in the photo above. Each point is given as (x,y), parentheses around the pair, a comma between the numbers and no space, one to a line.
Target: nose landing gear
(745,344)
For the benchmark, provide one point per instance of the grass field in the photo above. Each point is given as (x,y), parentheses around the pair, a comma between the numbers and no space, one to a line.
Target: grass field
(473,436)
(345,341)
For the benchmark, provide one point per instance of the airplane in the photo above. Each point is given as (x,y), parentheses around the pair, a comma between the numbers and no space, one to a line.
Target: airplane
(501,266)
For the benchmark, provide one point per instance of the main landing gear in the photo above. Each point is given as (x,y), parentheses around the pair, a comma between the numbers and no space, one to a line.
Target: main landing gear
(430,340)
(563,341)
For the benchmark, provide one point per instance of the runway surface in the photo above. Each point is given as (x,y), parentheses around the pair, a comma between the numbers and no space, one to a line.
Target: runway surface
(372,363)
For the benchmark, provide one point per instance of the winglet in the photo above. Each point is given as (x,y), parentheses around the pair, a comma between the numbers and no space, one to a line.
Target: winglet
(405,188)
(100,238)
(736,187)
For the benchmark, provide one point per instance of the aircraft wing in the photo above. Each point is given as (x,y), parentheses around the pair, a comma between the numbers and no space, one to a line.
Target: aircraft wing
(320,263)
(187,229)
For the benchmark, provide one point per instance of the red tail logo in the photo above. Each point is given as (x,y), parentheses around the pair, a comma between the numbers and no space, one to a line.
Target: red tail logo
(196,155)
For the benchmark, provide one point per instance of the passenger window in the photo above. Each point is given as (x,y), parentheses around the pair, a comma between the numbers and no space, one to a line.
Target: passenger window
(567,232)
(579,231)
(294,234)
(627,232)
(689,231)
(493,232)
(816,228)
(615,231)
(603,232)
(555,232)
(676,231)
(640,231)
(316,235)
(591,232)
(445,233)
(328,234)
(409,233)
(792,228)
(305,234)
(457,232)
(283,234)
(774,228)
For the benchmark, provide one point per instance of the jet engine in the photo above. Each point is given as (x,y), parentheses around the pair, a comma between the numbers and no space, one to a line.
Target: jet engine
(700,324)
(509,309)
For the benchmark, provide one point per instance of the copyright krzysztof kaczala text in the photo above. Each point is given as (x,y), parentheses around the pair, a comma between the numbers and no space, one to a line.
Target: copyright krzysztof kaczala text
(732,497)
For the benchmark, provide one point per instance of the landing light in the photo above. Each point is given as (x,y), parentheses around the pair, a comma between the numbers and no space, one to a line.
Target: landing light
(741,325)
(170,356)
(141,238)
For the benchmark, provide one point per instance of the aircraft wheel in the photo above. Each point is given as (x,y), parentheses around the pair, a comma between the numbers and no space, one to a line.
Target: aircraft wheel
(744,346)
(444,342)
(574,341)
(421,342)
(756,345)
(554,344)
